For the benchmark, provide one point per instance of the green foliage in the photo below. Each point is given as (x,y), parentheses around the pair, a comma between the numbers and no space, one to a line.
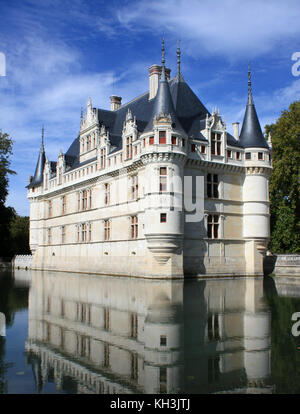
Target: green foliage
(285,355)
(285,181)
(19,235)
(5,152)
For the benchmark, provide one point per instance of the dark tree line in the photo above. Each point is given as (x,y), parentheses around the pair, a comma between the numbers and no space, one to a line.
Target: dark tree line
(285,181)
(13,228)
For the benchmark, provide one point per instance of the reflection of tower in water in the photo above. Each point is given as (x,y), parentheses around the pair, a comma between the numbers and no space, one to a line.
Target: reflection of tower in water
(227,331)
(92,334)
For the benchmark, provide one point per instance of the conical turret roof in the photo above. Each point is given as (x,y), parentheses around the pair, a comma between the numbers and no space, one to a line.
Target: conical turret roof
(251,134)
(39,169)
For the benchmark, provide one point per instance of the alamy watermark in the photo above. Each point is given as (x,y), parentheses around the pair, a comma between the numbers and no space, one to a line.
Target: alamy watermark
(296,65)
(296,325)
(2,64)
(2,324)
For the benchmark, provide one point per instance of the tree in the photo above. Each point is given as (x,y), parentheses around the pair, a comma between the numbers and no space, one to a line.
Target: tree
(285,181)
(6,145)
(19,235)
(6,213)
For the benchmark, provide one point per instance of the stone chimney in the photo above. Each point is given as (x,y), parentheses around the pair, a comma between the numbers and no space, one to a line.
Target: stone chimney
(154,76)
(115,102)
(236,133)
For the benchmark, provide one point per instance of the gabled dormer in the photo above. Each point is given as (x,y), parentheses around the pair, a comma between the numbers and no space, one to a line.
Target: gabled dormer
(216,134)
(60,168)
(89,132)
(103,148)
(129,135)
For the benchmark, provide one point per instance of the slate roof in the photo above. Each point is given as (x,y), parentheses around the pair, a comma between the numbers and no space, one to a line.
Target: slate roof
(38,175)
(188,112)
(251,134)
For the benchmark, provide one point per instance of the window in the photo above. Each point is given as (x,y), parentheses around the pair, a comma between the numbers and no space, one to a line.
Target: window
(106,319)
(163,340)
(229,154)
(102,157)
(88,143)
(63,234)
(202,149)
(78,233)
(163,217)
(133,325)
(151,140)
(260,156)
(183,142)
(84,232)
(128,148)
(162,380)
(134,227)
(134,187)
(106,355)
(215,144)
(63,205)
(213,369)
(49,208)
(134,366)
(213,226)
(212,186)
(162,137)
(106,194)
(193,148)
(84,199)
(144,142)
(248,156)
(238,155)
(213,327)
(174,140)
(106,230)
(163,179)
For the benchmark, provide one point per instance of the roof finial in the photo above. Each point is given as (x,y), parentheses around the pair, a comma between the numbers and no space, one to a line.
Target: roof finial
(250,100)
(43,131)
(178,57)
(163,52)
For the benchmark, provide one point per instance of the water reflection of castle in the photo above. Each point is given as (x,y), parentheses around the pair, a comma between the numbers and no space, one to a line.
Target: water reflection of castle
(96,334)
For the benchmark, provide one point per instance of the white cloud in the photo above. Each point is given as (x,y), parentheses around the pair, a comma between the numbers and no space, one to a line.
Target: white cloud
(231,28)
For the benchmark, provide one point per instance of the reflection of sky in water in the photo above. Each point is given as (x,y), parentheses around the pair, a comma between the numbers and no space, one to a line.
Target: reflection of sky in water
(20,379)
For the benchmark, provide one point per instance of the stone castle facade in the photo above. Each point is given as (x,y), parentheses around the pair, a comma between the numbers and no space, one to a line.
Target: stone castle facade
(155,188)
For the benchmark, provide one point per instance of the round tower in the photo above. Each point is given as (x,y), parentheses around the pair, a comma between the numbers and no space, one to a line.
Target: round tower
(257,162)
(163,185)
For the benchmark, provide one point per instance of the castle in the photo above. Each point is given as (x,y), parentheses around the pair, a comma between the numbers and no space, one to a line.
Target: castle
(155,188)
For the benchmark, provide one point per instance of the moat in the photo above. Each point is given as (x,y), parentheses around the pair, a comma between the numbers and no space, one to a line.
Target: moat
(79,333)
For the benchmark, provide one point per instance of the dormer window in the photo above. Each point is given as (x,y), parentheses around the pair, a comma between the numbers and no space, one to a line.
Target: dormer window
(151,140)
(174,140)
(260,156)
(238,155)
(215,143)
(102,158)
(229,154)
(248,155)
(162,137)
(88,143)
(128,148)
(193,148)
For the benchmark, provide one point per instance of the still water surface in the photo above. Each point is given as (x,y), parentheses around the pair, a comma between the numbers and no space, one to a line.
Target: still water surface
(74,333)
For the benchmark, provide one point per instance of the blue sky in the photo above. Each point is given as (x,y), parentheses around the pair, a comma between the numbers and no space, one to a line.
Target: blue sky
(58,53)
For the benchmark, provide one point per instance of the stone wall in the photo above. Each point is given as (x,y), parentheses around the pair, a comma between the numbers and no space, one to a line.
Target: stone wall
(22,262)
(282,264)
